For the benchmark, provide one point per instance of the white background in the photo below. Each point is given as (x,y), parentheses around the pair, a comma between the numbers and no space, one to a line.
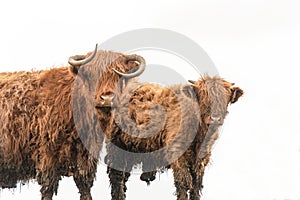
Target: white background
(253,43)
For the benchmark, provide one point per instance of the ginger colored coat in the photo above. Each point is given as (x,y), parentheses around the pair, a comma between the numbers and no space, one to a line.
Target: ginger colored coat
(39,137)
(180,122)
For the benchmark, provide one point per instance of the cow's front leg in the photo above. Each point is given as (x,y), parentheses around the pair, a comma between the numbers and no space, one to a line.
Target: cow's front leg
(84,181)
(195,191)
(197,172)
(182,178)
(49,183)
(118,181)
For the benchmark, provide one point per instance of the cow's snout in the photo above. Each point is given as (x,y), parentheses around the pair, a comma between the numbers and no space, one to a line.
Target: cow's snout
(215,119)
(105,100)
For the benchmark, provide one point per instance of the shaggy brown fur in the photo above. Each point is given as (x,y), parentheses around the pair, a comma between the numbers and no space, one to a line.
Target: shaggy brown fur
(191,115)
(39,137)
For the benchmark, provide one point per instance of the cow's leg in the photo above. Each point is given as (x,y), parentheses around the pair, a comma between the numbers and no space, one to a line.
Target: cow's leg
(182,178)
(118,181)
(125,179)
(197,185)
(84,182)
(49,183)
(197,172)
(8,179)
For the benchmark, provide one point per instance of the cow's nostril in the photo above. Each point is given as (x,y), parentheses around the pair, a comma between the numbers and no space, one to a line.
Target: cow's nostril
(107,100)
(215,118)
(107,97)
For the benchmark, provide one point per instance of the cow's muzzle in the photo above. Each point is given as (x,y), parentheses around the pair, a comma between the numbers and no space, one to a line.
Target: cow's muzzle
(105,101)
(214,120)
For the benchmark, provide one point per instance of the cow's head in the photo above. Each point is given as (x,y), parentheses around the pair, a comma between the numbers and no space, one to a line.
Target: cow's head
(214,95)
(108,69)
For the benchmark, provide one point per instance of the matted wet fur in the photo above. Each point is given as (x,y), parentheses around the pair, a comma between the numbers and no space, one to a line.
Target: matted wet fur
(38,137)
(187,109)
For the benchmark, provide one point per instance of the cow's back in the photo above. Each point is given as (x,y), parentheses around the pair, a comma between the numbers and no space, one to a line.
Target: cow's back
(154,114)
(18,103)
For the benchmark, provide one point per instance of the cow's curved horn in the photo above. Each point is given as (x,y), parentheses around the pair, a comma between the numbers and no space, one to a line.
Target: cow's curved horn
(141,69)
(79,60)
(191,81)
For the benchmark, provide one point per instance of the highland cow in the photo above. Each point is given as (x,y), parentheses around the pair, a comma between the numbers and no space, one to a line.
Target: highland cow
(39,137)
(180,122)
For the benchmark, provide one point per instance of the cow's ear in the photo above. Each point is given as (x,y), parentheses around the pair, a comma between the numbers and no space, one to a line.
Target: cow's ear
(236,93)
(189,91)
(74,69)
(76,62)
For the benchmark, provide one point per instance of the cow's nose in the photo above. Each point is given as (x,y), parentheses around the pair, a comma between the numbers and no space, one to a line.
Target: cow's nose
(105,100)
(216,119)
(107,97)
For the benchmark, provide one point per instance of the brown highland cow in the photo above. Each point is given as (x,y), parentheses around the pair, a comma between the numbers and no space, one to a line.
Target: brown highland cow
(39,136)
(165,127)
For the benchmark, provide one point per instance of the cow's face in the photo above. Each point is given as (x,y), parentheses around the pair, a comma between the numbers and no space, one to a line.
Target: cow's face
(101,72)
(113,79)
(214,95)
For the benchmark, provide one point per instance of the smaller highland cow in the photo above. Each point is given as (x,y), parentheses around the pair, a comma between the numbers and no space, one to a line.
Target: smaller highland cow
(181,122)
